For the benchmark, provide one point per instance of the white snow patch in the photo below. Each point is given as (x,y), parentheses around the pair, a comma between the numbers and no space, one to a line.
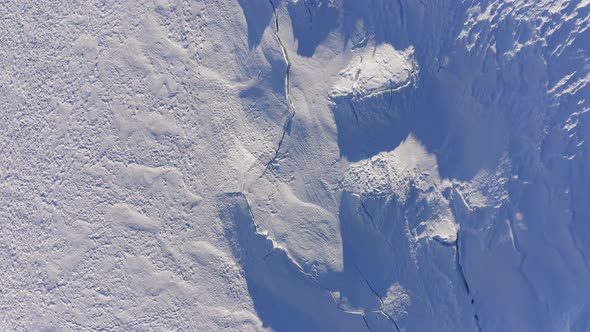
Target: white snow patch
(394,173)
(376,69)
(396,302)
(126,215)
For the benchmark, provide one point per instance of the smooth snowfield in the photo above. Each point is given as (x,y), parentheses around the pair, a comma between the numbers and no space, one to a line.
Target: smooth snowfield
(284,165)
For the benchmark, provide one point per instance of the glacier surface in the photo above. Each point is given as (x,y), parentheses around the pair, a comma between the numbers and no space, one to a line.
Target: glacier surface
(295,165)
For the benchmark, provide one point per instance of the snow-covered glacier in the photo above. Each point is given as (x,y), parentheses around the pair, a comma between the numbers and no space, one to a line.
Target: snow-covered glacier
(295,165)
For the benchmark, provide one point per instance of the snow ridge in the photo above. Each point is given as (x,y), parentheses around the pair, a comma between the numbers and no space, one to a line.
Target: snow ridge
(290,105)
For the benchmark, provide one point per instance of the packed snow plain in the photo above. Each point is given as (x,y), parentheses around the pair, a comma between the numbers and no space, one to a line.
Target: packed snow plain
(253,165)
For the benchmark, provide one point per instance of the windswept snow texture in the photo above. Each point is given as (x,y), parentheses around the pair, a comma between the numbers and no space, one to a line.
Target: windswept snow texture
(295,165)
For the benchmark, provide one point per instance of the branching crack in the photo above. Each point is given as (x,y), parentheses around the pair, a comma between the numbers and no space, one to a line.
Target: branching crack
(412,80)
(360,313)
(462,274)
(372,220)
(378,297)
(460,266)
(274,11)
(290,105)
(268,255)
(366,211)
(356,117)
(461,271)
(390,101)
(249,209)
(366,323)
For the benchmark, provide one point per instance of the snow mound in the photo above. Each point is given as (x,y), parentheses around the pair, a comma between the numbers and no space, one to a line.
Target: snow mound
(374,70)
(395,174)
(129,217)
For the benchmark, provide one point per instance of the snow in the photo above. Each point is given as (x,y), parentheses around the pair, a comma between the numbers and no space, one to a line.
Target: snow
(126,215)
(396,174)
(376,71)
(253,165)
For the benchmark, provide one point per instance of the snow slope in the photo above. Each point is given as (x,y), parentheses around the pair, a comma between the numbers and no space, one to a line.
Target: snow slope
(330,165)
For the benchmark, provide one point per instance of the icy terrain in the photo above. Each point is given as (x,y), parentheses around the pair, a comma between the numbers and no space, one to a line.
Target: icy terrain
(283,165)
